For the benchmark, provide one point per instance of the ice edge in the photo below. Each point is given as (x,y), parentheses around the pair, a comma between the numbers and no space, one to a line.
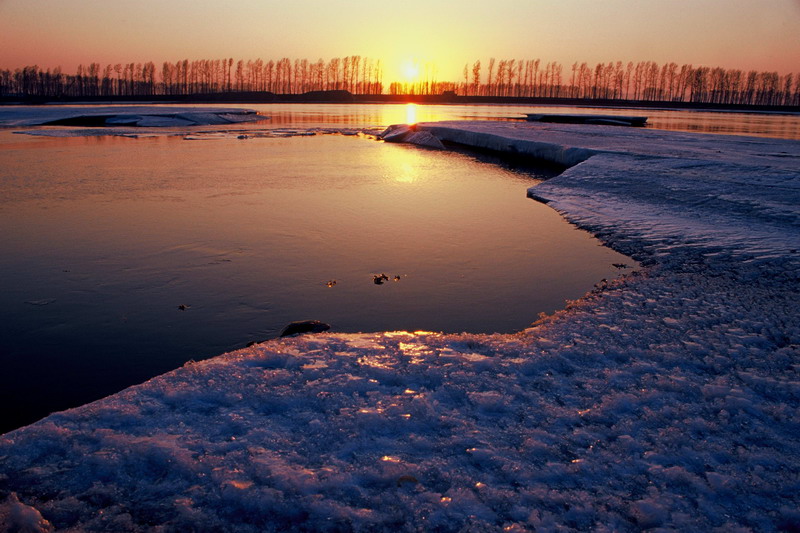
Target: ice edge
(665,399)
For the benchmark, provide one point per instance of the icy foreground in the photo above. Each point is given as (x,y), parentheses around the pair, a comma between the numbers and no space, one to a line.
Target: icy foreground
(666,399)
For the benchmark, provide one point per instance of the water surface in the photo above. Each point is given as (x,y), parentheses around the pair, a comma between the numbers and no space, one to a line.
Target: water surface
(776,125)
(124,258)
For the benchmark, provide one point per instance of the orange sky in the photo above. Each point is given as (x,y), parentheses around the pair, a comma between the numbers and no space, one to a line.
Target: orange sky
(746,34)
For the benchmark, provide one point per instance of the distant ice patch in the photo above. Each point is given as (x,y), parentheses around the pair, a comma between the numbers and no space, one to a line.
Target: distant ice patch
(128,116)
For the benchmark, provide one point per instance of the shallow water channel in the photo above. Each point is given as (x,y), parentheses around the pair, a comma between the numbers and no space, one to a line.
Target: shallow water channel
(124,258)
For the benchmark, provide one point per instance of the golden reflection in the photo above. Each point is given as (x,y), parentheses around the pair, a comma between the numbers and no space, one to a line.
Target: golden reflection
(402,165)
(411,114)
(374,362)
(416,353)
(407,173)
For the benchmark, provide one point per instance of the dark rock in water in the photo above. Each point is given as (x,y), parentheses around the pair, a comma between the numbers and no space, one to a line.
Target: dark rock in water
(378,279)
(304,326)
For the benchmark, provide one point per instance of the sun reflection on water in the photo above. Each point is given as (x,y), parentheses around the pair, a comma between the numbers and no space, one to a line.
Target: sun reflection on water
(411,114)
(403,165)
(407,173)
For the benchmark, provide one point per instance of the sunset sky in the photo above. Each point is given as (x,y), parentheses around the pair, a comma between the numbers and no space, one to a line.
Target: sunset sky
(746,34)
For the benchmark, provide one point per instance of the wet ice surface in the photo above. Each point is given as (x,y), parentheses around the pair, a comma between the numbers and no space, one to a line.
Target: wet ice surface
(118,116)
(193,135)
(667,399)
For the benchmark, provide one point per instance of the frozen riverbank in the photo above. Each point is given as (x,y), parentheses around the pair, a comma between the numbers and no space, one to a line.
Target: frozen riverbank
(667,398)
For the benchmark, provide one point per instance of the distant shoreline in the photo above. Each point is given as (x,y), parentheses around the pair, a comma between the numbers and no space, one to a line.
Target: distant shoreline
(344,97)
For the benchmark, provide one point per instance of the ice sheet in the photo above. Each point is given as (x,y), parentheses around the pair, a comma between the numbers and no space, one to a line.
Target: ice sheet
(140,115)
(666,399)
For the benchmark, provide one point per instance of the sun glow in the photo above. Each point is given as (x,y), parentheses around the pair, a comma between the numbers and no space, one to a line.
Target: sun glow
(410,71)
(411,114)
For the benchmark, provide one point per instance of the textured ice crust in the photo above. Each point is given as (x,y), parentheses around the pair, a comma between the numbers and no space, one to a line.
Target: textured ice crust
(666,399)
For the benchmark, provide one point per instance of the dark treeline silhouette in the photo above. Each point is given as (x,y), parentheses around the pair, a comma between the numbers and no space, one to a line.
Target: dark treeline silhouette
(643,81)
(204,76)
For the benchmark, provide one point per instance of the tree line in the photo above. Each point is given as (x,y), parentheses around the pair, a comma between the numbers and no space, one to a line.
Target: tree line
(641,81)
(356,74)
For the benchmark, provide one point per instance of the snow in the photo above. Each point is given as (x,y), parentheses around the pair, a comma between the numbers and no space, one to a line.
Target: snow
(665,399)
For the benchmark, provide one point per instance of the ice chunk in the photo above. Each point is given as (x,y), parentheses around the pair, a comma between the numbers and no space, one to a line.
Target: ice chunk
(16,516)
(396,133)
(139,116)
(424,138)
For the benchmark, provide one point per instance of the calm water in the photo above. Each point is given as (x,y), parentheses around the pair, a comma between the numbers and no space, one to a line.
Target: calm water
(104,238)
(783,126)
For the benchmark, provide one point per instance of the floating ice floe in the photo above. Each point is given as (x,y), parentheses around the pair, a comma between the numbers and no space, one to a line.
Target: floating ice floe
(668,399)
(130,116)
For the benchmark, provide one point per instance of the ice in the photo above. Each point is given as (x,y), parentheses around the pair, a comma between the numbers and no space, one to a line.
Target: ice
(139,116)
(16,516)
(424,138)
(666,399)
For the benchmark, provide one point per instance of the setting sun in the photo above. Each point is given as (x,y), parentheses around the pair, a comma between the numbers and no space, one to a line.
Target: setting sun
(410,71)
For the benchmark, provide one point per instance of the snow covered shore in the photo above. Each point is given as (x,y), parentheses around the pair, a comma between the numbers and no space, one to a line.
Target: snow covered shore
(667,399)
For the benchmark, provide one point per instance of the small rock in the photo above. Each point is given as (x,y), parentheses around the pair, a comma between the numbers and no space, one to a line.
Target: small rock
(402,480)
(304,326)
